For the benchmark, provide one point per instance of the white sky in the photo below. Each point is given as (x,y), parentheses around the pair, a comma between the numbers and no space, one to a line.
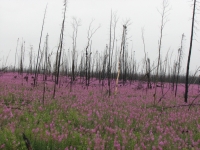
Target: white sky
(23,19)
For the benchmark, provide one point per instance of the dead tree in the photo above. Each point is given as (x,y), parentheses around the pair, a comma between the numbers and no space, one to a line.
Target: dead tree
(149,73)
(60,47)
(45,68)
(119,61)
(104,66)
(89,64)
(91,32)
(163,23)
(31,60)
(21,58)
(16,54)
(189,55)
(180,53)
(174,75)
(109,56)
(46,58)
(75,24)
(163,70)
(81,67)
(147,62)
(114,25)
(38,55)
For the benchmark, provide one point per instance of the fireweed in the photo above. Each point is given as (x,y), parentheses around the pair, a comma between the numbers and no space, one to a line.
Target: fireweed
(89,119)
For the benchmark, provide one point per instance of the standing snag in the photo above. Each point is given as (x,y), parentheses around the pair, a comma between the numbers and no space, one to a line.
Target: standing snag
(163,23)
(59,51)
(189,55)
(119,61)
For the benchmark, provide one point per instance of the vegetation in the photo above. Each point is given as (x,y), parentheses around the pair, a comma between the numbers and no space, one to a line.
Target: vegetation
(91,119)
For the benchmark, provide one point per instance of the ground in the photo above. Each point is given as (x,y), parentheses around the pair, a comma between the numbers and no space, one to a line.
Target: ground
(90,119)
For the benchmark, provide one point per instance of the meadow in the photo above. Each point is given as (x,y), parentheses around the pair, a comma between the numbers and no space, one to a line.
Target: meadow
(88,118)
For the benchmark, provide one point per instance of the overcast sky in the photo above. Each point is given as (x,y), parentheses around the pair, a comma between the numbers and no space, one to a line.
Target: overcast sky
(23,19)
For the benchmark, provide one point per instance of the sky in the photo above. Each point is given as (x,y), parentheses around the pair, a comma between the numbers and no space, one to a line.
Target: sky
(23,19)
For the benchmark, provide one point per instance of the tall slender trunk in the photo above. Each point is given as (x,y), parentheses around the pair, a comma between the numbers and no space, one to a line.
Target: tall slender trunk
(119,62)
(189,55)
(60,47)
(16,54)
(179,63)
(36,67)
(109,57)
(163,22)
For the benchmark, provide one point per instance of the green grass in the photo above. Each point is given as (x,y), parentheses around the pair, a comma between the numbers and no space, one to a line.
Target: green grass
(30,120)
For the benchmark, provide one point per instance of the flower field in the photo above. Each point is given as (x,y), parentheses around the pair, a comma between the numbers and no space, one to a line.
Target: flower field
(87,119)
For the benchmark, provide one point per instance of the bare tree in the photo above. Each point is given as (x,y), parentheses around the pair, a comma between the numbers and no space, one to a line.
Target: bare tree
(147,62)
(119,61)
(89,64)
(149,73)
(164,20)
(90,34)
(31,60)
(189,55)
(36,67)
(60,48)
(45,68)
(180,55)
(75,24)
(109,55)
(114,24)
(174,75)
(104,66)
(16,53)
(22,58)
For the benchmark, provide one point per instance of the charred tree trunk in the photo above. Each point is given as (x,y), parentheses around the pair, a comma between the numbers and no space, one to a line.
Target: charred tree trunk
(189,55)
(180,50)
(119,61)
(38,55)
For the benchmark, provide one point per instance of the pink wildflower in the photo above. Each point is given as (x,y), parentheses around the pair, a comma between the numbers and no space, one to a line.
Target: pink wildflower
(2,146)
